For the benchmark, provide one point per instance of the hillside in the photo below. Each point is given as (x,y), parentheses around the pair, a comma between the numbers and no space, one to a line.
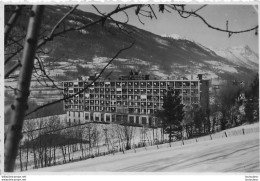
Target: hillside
(87,51)
(238,154)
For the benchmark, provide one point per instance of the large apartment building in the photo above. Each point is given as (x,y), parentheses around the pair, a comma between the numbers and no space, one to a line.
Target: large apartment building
(132,99)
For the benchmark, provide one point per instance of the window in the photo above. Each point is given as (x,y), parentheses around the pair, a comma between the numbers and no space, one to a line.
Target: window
(143,84)
(137,97)
(155,84)
(86,116)
(163,84)
(97,118)
(113,109)
(143,91)
(143,120)
(131,119)
(108,118)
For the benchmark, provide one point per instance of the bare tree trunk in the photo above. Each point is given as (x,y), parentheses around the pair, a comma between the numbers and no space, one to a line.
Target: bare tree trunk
(14,133)
(63,153)
(21,162)
(54,155)
(27,154)
(170,136)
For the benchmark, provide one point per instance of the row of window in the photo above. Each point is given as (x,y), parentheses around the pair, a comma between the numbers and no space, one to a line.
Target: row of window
(124,99)
(125,91)
(111,107)
(132,83)
(118,118)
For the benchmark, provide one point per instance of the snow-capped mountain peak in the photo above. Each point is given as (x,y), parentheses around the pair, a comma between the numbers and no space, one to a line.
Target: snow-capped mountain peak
(174,36)
(240,55)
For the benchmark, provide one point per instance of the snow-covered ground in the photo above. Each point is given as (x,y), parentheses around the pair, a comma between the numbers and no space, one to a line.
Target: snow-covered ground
(232,154)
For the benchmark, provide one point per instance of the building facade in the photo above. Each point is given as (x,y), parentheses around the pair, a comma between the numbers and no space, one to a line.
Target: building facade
(132,99)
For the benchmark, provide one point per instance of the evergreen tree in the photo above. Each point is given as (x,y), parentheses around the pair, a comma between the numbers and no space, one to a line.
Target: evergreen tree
(172,113)
(249,110)
(252,103)
(199,119)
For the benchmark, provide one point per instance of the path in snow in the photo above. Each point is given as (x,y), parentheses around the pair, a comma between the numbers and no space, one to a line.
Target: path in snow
(233,154)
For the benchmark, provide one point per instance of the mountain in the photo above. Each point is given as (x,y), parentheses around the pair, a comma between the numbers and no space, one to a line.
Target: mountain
(87,51)
(241,55)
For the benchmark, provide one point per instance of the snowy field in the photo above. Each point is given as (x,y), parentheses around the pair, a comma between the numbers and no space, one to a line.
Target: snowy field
(232,154)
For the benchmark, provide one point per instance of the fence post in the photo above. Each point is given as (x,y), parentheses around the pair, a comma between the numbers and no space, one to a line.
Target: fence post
(243,131)
(210,136)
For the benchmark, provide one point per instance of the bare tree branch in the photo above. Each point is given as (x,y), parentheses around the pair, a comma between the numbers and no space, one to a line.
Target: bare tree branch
(12,69)
(102,19)
(65,98)
(153,11)
(11,22)
(42,68)
(13,55)
(230,32)
(61,20)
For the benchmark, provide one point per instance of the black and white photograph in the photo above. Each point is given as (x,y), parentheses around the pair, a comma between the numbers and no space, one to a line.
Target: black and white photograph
(131,88)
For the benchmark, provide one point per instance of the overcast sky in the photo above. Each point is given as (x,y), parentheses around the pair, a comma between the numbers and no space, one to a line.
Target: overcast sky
(240,17)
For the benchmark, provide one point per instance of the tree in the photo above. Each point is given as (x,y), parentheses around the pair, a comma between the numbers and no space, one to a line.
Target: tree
(226,100)
(172,113)
(249,110)
(252,102)
(188,122)
(37,36)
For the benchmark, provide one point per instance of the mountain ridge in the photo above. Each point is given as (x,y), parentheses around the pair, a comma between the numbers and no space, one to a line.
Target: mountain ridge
(76,53)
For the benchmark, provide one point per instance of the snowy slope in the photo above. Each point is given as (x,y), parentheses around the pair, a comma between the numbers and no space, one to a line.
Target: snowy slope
(234,154)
